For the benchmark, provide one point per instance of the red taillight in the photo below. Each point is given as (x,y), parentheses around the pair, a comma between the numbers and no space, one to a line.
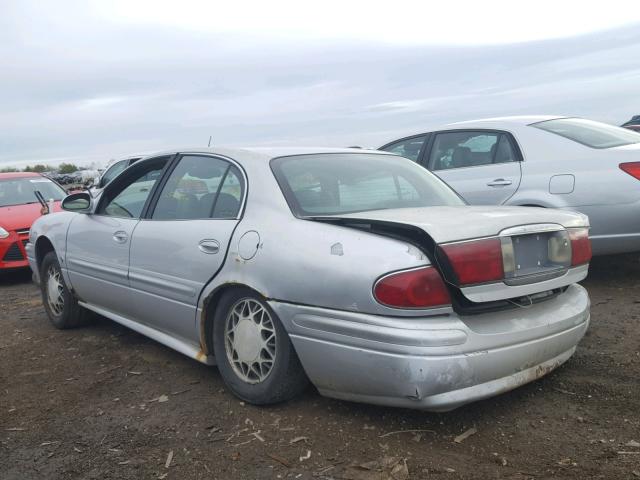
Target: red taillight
(580,246)
(632,168)
(478,261)
(419,288)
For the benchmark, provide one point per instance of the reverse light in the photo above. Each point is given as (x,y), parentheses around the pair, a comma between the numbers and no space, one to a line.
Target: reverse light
(632,168)
(418,288)
(580,246)
(3,233)
(477,261)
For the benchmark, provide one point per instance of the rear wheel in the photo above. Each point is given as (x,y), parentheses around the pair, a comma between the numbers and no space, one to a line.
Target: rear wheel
(254,353)
(61,306)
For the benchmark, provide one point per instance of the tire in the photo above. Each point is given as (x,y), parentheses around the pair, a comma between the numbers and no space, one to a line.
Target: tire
(63,311)
(258,381)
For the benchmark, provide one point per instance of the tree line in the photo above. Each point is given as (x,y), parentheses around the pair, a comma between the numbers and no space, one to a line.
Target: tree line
(39,168)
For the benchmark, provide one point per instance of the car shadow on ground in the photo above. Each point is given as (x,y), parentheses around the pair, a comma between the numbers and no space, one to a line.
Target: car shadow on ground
(15,277)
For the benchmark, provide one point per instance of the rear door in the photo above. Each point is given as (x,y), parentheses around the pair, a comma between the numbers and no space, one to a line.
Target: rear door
(482,166)
(182,242)
(98,244)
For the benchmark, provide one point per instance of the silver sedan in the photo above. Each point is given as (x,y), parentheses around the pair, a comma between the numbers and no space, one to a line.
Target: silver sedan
(356,270)
(544,161)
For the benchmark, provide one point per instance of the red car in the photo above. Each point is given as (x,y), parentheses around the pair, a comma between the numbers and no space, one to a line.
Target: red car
(19,207)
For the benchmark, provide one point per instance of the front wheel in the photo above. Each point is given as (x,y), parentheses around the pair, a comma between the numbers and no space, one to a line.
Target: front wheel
(254,353)
(61,306)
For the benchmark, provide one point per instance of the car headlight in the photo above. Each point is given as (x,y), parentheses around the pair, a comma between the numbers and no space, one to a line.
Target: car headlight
(3,233)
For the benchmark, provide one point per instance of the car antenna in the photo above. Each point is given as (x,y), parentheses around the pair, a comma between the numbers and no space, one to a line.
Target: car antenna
(210,136)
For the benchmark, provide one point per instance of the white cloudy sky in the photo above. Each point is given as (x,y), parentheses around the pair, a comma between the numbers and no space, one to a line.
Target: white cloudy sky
(89,81)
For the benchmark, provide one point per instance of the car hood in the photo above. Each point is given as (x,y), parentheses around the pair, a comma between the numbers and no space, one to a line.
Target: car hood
(18,217)
(448,224)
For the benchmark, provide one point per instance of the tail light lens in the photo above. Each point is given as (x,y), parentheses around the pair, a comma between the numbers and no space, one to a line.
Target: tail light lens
(478,261)
(632,168)
(580,246)
(418,288)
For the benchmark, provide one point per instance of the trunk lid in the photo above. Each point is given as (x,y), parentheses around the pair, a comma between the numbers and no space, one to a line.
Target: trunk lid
(530,240)
(458,223)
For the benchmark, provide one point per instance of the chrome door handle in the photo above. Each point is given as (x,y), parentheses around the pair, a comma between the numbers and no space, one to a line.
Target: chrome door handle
(120,237)
(209,246)
(499,182)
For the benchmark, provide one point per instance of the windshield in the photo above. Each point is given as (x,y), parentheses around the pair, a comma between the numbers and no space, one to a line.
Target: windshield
(329,184)
(18,191)
(590,133)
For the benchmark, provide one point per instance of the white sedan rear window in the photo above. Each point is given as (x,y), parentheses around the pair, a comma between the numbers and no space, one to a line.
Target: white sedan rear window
(589,133)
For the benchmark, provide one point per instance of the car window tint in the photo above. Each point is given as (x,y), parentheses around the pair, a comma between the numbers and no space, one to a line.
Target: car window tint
(128,200)
(230,196)
(463,149)
(194,186)
(409,148)
(112,172)
(316,185)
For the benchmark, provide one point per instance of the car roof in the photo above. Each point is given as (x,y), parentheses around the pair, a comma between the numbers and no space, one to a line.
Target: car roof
(509,120)
(264,153)
(9,175)
(493,123)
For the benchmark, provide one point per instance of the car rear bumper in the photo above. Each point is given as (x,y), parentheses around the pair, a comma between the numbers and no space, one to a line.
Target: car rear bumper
(434,363)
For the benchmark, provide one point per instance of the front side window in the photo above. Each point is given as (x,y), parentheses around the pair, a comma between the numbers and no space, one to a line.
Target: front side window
(330,184)
(409,148)
(589,133)
(470,149)
(112,172)
(200,187)
(128,198)
(20,191)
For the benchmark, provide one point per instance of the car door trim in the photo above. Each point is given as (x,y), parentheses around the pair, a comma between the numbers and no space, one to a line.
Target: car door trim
(92,265)
(169,284)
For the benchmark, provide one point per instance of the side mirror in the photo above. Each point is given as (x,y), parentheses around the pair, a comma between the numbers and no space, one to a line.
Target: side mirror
(77,202)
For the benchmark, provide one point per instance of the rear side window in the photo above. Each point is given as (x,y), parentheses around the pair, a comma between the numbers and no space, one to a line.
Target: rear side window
(409,148)
(470,149)
(328,184)
(589,133)
(200,187)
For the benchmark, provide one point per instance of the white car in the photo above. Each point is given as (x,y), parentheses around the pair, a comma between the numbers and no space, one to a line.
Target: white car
(541,161)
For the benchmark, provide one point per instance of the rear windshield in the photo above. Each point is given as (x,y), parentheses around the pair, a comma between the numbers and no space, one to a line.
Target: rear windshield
(590,133)
(19,191)
(330,184)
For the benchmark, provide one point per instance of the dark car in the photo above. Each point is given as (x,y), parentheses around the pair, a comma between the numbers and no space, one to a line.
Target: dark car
(633,124)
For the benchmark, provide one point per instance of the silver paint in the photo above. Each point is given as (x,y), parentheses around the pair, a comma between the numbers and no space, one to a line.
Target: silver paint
(159,283)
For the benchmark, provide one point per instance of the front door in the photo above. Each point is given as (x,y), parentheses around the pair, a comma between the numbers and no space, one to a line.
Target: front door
(183,242)
(482,166)
(98,244)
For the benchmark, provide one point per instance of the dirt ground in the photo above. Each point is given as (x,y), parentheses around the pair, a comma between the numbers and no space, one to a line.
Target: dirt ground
(104,402)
